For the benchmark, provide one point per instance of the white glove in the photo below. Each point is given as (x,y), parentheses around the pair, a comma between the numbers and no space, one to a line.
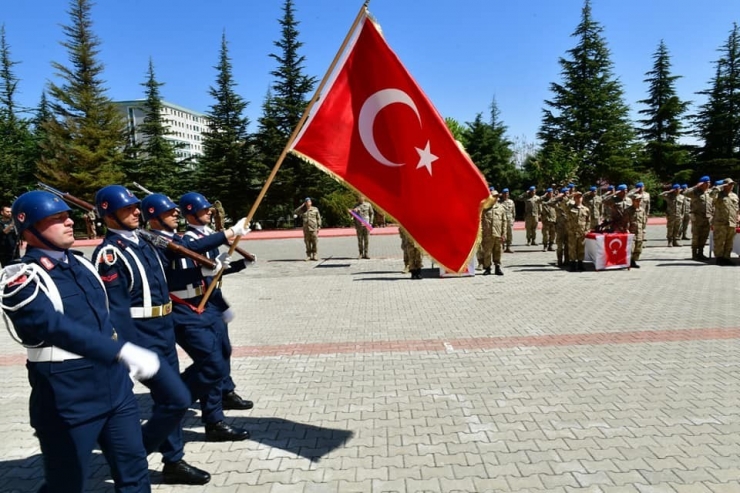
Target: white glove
(239,229)
(228,315)
(225,259)
(211,272)
(142,363)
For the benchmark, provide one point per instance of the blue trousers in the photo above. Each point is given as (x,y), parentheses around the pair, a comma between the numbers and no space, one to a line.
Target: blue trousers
(163,431)
(67,450)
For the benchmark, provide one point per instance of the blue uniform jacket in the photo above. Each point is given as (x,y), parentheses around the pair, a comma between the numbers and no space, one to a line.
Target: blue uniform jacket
(126,268)
(74,390)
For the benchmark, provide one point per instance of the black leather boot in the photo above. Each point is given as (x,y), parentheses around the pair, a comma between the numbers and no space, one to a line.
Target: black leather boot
(223,432)
(181,472)
(498,271)
(573,266)
(232,401)
(580,266)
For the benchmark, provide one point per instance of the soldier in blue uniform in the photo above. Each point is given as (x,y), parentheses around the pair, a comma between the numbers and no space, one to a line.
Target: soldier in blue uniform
(78,368)
(202,334)
(198,213)
(139,299)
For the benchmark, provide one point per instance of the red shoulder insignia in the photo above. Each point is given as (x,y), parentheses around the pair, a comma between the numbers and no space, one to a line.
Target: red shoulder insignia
(110,278)
(47,263)
(18,281)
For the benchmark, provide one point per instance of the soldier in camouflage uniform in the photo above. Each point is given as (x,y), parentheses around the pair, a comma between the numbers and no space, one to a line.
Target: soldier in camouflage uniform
(636,226)
(549,220)
(508,204)
(531,214)
(674,214)
(561,227)
(413,252)
(404,247)
(686,213)
(579,222)
(606,210)
(592,200)
(645,201)
(617,205)
(365,210)
(724,222)
(702,210)
(494,221)
(311,227)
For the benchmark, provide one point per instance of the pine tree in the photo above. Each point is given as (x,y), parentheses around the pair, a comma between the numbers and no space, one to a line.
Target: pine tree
(224,170)
(282,110)
(662,127)
(490,149)
(16,143)
(153,161)
(83,150)
(718,120)
(587,117)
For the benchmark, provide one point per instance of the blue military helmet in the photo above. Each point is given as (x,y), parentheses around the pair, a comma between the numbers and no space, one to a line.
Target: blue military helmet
(564,190)
(704,179)
(621,187)
(640,185)
(719,183)
(505,190)
(549,190)
(675,186)
(155,205)
(307,199)
(113,197)
(610,188)
(491,189)
(193,203)
(34,206)
(684,186)
(593,188)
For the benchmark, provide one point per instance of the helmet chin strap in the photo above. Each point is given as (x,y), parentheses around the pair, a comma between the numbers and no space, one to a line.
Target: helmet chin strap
(200,221)
(43,240)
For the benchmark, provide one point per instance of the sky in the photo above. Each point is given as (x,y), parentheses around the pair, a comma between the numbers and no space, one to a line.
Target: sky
(463,53)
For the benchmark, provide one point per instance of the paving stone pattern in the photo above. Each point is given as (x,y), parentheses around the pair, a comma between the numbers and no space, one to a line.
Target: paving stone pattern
(538,381)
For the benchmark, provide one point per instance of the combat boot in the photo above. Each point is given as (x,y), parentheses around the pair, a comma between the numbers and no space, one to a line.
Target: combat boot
(694,255)
(676,243)
(550,248)
(670,243)
(498,271)
(560,260)
(700,254)
(580,266)
(573,266)
(487,271)
(508,249)
(633,265)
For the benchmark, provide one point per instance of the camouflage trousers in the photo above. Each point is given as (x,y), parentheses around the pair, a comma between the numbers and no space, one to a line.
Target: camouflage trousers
(311,239)
(414,255)
(723,236)
(530,224)
(548,233)
(562,242)
(576,246)
(509,231)
(637,249)
(699,232)
(685,225)
(363,241)
(491,250)
(673,228)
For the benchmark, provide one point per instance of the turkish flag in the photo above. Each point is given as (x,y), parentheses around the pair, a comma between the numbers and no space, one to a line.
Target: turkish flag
(616,249)
(374,129)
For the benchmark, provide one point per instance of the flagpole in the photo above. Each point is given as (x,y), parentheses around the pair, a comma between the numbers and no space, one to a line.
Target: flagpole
(284,153)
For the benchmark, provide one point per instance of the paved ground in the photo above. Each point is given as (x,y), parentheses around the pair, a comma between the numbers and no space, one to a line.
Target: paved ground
(541,380)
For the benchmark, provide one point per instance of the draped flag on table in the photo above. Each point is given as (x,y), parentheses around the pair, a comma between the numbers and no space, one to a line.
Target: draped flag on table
(374,129)
(616,249)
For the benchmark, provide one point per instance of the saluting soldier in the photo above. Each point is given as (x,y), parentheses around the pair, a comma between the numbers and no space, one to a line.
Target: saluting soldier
(686,218)
(365,210)
(510,207)
(413,253)
(702,210)
(78,367)
(138,297)
(493,221)
(579,222)
(674,214)
(725,220)
(311,226)
(636,226)
(531,214)
(592,200)
(561,203)
(617,204)
(198,212)
(549,220)
(202,334)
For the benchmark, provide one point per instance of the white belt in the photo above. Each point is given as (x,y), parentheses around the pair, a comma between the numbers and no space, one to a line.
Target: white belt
(151,311)
(50,354)
(189,292)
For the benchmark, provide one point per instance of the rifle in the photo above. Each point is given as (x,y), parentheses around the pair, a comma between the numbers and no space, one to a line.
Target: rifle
(155,240)
(218,221)
(247,256)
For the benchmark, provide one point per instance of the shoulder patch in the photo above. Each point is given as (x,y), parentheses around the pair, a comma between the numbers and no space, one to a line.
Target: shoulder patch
(47,263)
(18,281)
(110,278)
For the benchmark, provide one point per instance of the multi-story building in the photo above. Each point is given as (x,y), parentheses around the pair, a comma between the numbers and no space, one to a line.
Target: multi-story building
(186,126)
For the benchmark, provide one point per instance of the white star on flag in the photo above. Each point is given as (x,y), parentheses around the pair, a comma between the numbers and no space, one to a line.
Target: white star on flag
(426,158)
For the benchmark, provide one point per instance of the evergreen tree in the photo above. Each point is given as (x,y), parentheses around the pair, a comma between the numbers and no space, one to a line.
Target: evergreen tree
(490,149)
(16,144)
(662,127)
(718,120)
(83,149)
(153,161)
(456,129)
(587,117)
(282,110)
(223,171)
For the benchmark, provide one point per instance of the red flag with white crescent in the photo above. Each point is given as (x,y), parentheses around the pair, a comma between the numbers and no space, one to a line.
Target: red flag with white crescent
(375,129)
(615,249)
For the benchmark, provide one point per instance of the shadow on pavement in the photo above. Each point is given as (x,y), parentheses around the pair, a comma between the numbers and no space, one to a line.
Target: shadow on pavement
(25,474)
(308,441)
(324,265)
(376,272)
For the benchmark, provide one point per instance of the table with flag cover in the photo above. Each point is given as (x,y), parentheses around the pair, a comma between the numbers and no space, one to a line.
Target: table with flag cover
(609,250)
(735,243)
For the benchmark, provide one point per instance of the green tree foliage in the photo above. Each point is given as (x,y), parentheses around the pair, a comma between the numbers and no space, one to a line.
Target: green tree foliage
(16,142)
(662,126)
(587,117)
(282,110)
(223,173)
(490,149)
(718,120)
(152,160)
(456,128)
(85,138)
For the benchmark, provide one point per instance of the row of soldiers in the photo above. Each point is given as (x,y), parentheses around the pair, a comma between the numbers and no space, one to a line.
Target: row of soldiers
(88,325)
